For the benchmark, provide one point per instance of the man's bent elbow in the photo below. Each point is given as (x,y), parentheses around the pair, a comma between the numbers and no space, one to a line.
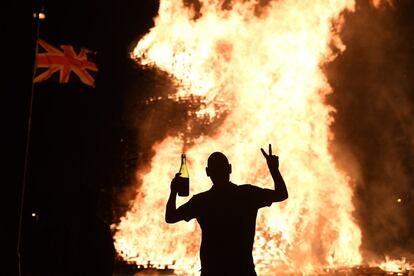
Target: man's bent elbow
(170,219)
(281,196)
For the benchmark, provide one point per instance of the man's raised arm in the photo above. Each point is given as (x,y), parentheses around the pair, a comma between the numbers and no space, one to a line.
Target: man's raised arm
(273,165)
(171,214)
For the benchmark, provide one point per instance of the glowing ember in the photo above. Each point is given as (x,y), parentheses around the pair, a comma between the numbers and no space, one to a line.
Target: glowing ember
(378,3)
(396,266)
(265,63)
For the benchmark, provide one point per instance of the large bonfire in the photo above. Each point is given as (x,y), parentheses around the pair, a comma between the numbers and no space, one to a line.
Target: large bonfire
(259,64)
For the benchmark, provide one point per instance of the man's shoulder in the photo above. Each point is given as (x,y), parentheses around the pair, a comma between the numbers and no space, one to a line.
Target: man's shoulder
(247,187)
(202,195)
(250,189)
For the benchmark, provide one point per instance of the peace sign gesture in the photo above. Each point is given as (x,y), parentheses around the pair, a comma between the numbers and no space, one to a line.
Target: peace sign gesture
(272,160)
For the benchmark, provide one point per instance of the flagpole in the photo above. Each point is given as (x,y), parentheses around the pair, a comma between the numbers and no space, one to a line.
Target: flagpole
(26,155)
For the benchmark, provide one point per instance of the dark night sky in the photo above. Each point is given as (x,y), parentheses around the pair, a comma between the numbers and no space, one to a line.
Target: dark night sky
(76,131)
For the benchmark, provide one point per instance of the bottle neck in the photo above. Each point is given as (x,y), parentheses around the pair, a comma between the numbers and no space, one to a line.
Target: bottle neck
(183,167)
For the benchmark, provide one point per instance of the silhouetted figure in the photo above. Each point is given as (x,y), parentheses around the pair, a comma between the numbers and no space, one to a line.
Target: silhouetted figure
(227,216)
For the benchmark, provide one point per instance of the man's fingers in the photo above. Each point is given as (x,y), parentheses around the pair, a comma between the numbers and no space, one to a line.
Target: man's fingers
(264,153)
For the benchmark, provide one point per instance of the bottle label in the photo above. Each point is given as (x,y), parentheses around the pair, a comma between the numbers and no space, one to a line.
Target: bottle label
(183,186)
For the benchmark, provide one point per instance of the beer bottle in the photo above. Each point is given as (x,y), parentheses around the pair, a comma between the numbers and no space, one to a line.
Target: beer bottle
(184,179)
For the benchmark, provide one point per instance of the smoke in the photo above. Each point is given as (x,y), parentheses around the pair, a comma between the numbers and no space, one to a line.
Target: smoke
(374,129)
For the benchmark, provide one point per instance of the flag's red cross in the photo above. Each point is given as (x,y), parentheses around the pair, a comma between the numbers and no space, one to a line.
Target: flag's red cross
(65,62)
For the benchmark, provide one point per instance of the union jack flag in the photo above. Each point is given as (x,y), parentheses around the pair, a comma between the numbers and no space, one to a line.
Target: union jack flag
(64,62)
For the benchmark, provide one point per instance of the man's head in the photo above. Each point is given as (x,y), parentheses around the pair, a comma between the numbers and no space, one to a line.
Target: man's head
(218,168)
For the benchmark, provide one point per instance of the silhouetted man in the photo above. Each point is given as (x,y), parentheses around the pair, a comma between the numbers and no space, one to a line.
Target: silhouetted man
(227,216)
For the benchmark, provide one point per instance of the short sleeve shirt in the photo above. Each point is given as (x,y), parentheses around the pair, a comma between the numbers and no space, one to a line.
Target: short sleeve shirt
(227,218)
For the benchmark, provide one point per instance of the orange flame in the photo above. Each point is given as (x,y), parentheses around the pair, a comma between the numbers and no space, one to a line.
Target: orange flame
(265,63)
(396,266)
(379,3)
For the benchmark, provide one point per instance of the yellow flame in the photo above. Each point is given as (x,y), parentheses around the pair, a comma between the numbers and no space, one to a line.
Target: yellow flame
(265,64)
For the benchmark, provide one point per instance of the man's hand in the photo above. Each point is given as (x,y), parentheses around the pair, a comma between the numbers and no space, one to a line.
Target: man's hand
(175,183)
(272,160)
(281,192)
